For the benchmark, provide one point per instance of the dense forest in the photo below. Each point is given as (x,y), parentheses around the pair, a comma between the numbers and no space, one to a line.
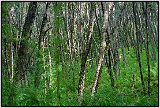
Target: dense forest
(79,53)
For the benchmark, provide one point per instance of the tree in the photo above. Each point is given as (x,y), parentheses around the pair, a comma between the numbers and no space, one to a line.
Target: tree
(22,51)
(85,53)
(137,47)
(71,53)
(43,30)
(147,47)
(104,45)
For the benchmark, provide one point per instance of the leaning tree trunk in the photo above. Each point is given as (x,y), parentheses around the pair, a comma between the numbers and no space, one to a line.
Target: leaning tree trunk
(22,51)
(85,55)
(102,47)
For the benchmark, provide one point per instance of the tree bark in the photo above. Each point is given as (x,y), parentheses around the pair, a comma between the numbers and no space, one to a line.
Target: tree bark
(147,49)
(137,48)
(103,47)
(22,51)
(43,31)
(85,55)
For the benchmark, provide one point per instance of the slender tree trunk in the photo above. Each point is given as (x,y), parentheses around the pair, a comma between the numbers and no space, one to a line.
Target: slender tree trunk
(102,47)
(7,74)
(147,48)
(50,68)
(58,87)
(45,73)
(114,44)
(11,96)
(137,48)
(11,66)
(43,30)
(110,67)
(116,58)
(122,43)
(85,55)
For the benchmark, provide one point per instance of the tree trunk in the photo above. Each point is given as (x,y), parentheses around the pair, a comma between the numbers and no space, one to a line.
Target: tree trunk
(43,31)
(110,67)
(102,47)
(22,51)
(137,48)
(85,55)
(147,49)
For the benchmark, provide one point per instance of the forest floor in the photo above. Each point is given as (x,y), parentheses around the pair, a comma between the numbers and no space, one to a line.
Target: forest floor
(123,94)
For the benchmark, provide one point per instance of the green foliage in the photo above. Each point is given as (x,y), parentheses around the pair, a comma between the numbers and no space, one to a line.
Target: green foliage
(58,12)
(60,77)
(6,89)
(121,95)
(4,8)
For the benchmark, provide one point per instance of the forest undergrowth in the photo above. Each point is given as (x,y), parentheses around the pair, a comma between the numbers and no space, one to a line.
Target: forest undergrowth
(123,94)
